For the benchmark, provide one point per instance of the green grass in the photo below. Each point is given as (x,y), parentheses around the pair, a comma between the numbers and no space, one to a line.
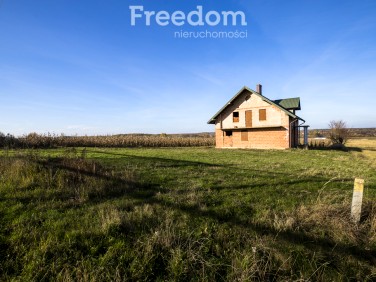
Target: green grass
(184,214)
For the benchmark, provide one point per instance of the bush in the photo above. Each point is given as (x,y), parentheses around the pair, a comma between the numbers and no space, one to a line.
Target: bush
(338,132)
(8,141)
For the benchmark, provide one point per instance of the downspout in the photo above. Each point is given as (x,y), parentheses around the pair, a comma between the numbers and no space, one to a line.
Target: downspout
(223,133)
(305,140)
(290,127)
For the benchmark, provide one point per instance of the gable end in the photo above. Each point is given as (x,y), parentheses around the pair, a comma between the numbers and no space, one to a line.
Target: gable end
(294,102)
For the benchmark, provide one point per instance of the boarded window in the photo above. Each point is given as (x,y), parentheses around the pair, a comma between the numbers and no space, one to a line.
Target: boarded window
(235,116)
(248,118)
(262,114)
(244,135)
(228,133)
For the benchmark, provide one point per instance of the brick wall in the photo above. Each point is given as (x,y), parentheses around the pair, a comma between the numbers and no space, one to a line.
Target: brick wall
(271,138)
(272,133)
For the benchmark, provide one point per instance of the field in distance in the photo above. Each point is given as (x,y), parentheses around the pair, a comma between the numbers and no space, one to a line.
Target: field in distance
(93,214)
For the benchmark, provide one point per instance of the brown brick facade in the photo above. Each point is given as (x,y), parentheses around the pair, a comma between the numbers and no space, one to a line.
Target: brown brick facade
(271,138)
(250,120)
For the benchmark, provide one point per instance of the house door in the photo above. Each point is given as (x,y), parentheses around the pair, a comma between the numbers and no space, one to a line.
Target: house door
(227,138)
(248,118)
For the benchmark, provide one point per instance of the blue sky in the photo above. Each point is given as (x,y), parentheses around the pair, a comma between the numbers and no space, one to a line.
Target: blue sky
(79,67)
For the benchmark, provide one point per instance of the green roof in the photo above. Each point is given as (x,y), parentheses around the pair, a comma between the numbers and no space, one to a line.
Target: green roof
(292,101)
(289,103)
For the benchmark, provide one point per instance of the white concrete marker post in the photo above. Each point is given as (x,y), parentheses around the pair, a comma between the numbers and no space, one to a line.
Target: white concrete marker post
(356,206)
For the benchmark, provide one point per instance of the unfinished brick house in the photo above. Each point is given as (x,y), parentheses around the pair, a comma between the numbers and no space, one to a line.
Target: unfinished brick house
(250,120)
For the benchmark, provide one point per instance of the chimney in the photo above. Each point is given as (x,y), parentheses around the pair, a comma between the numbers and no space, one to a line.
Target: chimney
(259,88)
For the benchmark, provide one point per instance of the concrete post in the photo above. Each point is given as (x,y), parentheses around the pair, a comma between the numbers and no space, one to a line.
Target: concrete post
(305,136)
(356,205)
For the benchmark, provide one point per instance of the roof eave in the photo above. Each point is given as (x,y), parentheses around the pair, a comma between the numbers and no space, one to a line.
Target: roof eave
(212,120)
(299,118)
(280,107)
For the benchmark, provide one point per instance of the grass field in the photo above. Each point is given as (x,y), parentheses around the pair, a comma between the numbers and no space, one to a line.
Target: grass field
(186,214)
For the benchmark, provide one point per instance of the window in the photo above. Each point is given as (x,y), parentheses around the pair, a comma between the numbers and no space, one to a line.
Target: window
(244,136)
(235,117)
(248,118)
(262,114)
(228,133)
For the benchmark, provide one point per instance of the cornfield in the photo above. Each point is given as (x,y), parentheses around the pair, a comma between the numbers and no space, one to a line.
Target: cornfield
(34,140)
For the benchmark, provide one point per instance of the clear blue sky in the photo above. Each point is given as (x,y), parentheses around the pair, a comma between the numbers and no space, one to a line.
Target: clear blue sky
(80,67)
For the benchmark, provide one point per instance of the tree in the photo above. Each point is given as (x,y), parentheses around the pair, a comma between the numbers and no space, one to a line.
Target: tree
(338,132)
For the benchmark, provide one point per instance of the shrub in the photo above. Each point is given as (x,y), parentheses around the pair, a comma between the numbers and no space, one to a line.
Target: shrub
(338,132)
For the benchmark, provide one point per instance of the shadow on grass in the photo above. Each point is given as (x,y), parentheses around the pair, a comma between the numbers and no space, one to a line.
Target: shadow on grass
(369,149)
(295,237)
(116,186)
(84,182)
(334,148)
(166,162)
